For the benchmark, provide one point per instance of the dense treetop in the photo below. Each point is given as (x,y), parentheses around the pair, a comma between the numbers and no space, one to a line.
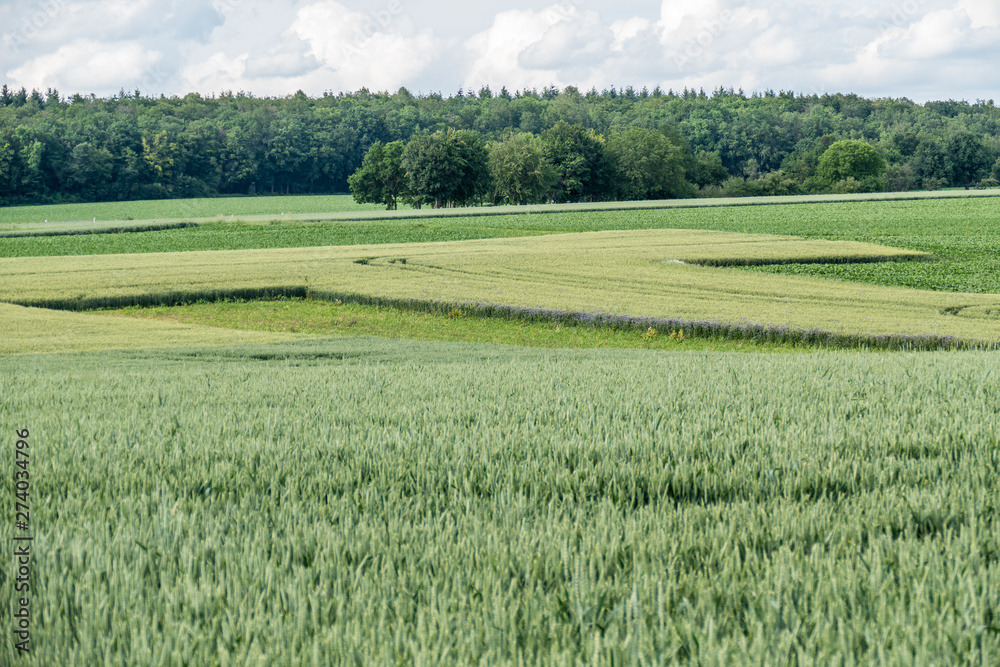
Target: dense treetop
(618,143)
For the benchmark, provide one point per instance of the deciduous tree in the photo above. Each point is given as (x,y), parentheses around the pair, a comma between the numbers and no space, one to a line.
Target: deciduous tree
(580,162)
(647,165)
(446,168)
(519,170)
(381,179)
(968,159)
(851,159)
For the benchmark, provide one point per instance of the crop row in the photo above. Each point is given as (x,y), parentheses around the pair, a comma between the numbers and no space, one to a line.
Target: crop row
(94,228)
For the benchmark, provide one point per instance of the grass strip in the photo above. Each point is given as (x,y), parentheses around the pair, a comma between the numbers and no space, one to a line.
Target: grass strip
(677,328)
(420,322)
(347,314)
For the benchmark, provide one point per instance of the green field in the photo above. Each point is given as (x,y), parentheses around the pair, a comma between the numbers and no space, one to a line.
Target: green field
(367,442)
(963,233)
(385,502)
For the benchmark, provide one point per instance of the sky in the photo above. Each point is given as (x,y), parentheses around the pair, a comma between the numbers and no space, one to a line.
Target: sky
(919,49)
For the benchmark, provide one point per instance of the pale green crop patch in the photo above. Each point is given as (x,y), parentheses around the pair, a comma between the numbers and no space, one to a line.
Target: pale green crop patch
(40,331)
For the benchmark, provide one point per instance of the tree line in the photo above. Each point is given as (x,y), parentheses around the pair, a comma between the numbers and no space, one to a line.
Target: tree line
(435,150)
(565,163)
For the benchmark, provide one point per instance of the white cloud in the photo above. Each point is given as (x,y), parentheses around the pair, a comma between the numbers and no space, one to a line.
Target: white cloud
(496,53)
(982,13)
(88,65)
(922,52)
(935,35)
(559,45)
(575,43)
(288,60)
(381,50)
(218,73)
(771,47)
(627,30)
(676,15)
(717,35)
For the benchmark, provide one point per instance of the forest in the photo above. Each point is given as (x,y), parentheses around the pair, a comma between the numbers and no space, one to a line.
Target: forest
(489,146)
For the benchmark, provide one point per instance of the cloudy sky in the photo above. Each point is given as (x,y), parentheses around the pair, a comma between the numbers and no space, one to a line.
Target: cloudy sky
(921,49)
